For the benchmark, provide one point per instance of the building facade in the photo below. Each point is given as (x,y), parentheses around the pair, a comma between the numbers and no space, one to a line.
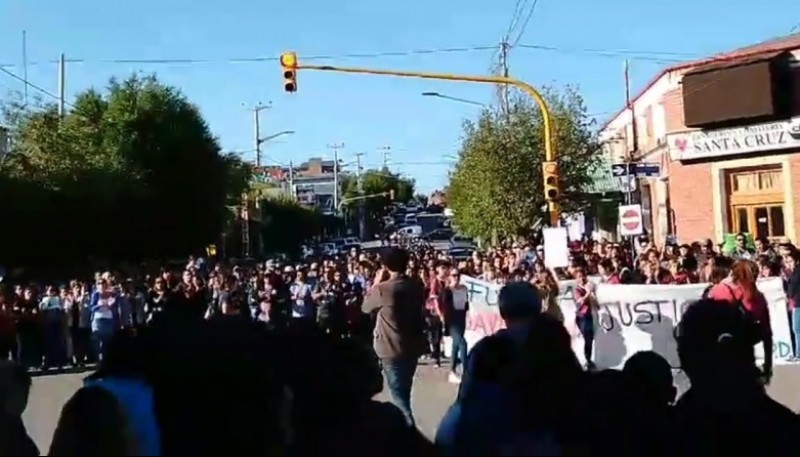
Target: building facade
(726,133)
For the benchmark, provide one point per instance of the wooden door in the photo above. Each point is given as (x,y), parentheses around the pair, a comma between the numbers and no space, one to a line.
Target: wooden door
(759,220)
(756,199)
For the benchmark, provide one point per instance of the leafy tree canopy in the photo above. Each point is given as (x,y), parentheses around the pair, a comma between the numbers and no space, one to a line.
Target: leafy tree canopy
(287,224)
(132,172)
(497,184)
(375,182)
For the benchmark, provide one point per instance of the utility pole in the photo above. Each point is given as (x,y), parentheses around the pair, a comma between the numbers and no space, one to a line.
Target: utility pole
(25,65)
(257,130)
(631,155)
(385,154)
(360,187)
(504,100)
(359,181)
(291,180)
(62,99)
(336,147)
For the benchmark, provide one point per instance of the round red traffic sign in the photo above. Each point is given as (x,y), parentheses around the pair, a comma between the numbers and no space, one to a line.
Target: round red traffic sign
(631,220)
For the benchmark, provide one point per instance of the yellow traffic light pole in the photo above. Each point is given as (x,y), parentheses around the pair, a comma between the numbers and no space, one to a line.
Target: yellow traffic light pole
(289,60)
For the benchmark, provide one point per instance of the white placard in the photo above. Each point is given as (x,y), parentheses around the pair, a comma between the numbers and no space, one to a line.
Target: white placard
(630,318)
(556,247)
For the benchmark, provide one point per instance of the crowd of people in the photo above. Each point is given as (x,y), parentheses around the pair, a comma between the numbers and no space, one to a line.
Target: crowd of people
(286,345)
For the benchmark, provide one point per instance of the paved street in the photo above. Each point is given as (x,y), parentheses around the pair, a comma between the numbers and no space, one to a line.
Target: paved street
(432,396)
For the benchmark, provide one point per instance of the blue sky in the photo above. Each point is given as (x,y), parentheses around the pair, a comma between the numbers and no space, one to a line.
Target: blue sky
(587,42)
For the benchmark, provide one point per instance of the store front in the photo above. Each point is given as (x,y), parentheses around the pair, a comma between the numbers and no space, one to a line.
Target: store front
(752,173)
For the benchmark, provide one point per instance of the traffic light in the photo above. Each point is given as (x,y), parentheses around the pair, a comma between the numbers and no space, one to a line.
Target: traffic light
(551,187)
(289,64)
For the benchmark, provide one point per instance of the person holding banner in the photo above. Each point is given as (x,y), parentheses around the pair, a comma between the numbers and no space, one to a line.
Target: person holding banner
(741,291)
(545,282)
(585,303)
(455,321)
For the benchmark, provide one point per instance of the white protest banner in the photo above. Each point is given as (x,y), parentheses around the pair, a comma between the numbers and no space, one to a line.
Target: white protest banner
(631,318)
(484,317)
(636,318)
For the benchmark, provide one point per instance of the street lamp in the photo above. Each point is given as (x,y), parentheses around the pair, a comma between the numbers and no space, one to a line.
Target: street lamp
(275,135)
(454,99)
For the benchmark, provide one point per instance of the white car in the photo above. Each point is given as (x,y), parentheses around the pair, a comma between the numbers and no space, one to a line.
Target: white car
(350,240)
(328,249)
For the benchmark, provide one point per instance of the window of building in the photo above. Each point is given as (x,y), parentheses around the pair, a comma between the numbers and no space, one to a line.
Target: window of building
(756,201)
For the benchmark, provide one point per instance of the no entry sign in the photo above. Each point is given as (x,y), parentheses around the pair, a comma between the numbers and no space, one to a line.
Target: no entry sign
(630,220)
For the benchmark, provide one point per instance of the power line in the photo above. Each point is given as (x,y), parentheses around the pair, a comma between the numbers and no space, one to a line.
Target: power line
(525,22)
(518,8)
(34,86)
(655,56)
(633,54)
(234,60)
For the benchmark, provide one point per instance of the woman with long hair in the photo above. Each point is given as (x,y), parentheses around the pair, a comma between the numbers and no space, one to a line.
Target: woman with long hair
(741,290)
(545,282)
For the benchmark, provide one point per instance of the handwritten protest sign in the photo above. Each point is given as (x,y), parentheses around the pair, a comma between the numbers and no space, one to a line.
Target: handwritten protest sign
(630,318)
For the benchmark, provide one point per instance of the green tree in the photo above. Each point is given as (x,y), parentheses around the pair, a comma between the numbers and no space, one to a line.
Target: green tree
(287,224)
(132,172)
(496,186)
(375,182)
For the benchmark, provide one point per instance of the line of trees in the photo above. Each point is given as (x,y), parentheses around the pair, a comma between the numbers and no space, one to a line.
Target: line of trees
(131,172)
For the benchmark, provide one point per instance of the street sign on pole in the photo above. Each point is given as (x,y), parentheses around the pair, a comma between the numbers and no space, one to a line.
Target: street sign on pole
(639,170)
(630,220)
(626,183)
(619,169)
(647,170)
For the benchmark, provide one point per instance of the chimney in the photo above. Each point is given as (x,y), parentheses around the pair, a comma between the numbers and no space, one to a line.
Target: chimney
(314,166)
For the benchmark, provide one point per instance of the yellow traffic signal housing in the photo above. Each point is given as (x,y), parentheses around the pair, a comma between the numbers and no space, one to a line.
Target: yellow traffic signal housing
(551,181)
(289,64)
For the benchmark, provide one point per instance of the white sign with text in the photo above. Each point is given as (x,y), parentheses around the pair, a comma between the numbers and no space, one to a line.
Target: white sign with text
(702,144)
(630,318)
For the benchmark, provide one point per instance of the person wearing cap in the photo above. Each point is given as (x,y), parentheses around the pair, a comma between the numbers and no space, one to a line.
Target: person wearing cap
(398,303)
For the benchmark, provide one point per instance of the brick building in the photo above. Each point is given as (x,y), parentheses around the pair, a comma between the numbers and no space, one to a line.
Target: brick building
(726,131)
